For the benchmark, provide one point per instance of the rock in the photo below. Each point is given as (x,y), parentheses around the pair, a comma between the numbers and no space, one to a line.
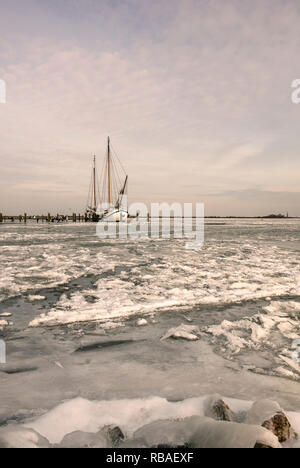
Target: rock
(223,434)
(203,432)
(269,415)
(178,447)
(13,436)
(280,426)
(79,439)
(216,408)
(222,411)
(107,437)
(262,446)
(165,433)
(132,443)
(113,435)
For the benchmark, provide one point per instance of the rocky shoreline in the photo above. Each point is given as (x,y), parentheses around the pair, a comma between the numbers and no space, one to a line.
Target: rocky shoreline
(264,425)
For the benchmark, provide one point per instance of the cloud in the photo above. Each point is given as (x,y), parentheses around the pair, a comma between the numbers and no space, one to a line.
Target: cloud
(195,95)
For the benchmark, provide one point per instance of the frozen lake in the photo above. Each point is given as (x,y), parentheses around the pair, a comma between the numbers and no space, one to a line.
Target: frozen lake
(72,305)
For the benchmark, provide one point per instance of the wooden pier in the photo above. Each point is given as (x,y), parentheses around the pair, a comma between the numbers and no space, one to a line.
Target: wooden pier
(58,218)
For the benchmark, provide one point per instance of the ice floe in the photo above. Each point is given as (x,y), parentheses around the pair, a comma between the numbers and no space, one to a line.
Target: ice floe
(67,312)
(141,322)
(275,329)
(234,268)
(33,298)
(186,332)
(3,324)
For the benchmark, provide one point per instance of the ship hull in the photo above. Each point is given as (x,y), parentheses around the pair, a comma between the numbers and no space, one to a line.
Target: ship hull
(115,216)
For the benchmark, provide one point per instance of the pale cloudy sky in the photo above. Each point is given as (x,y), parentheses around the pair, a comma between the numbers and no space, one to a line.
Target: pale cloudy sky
(195,94)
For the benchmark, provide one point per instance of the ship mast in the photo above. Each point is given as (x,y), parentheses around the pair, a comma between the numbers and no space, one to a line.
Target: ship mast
(109,170)
(95,189)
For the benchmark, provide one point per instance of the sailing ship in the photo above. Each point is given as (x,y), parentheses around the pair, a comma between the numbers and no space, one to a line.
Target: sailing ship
(107,200)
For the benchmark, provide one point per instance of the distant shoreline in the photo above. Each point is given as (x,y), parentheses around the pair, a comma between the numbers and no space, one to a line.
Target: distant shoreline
(44,218)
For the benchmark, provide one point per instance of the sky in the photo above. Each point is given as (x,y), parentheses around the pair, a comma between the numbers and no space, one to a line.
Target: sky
(195,95)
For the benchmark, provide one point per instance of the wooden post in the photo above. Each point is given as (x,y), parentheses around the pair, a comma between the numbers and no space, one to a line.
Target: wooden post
(1,218)
(25,217)
(74,217)
(49,218)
